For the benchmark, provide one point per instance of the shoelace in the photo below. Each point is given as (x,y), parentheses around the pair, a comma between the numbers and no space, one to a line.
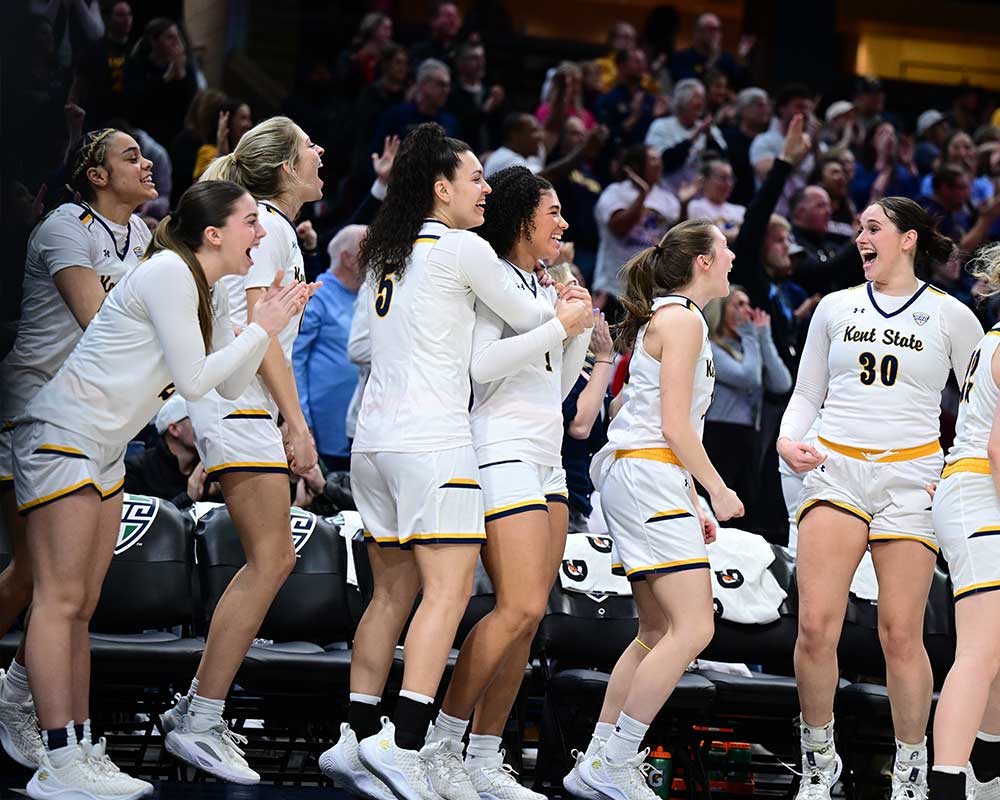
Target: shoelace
(100,760)
(230,738)
(814,783)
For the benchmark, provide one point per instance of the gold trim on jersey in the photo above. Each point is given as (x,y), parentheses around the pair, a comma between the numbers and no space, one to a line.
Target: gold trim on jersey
(57,495)
(6,479)
(892,537)
(977,588)
(113,490)
(852,510)
(669,566)
(515,508)
(461,483)
(980,466)
(249,413)
(60,450)
(642,644)
(443,538)
(662,454)
(672,513)
(882,456)
(248,465)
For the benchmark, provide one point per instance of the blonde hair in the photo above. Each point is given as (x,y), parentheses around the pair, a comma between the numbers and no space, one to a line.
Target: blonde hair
(256,161)
(561,272)
(715,315)
(985,266)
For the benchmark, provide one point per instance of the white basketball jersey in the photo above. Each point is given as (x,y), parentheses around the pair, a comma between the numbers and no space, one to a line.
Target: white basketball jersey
(279,249)
(887,368)
(418,392)
(520,416)
(118,377)
(72,235)
(639,423)
(978,404)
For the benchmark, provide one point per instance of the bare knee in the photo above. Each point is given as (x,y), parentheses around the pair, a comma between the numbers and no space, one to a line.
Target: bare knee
(650,635)
(695,635)
(901,642)
(819,632)
(522,618)
(66,602)
(276,564)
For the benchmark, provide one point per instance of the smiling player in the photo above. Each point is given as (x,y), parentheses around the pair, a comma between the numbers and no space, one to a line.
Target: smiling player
(876,359)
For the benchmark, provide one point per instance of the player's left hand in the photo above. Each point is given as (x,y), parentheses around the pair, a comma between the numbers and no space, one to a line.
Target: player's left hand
(707,529)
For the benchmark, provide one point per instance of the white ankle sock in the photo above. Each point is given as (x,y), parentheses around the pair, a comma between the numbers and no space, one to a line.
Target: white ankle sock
(816,738)
(910,756)
(988,737)
(15,685)
(603,730)
(447,728)
(624,743)
(949,770)
(482,749)
(193,689)
(205,713)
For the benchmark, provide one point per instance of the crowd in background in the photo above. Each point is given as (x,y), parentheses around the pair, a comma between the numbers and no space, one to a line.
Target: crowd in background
(634,141)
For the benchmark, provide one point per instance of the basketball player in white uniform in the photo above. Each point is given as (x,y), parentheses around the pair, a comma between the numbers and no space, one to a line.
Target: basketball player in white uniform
(75,257)
(644,475)
(240,444)
(967,524)
(877,358)
(414,472)
(519,382)
(154,334)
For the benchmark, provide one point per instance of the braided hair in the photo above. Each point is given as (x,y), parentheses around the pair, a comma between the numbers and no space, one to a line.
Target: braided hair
(91,151)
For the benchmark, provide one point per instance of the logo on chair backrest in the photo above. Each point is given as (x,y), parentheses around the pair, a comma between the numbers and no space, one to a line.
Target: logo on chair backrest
(600,543)
(575,570)
(729,578)
(303,525)
(138,513)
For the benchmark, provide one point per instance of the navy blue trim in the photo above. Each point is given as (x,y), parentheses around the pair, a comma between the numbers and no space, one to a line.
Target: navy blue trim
(114,242)
(830,504)
(690,304)
(971,592)
(902,308)
(658,518)
(557,498)
(993,532)
(498,463)
(280,213)
(478,539)
(119,490)
(450,485)
(45,451)
(532,287)
(214,474)
(665,570)
(234,415)
(519,510)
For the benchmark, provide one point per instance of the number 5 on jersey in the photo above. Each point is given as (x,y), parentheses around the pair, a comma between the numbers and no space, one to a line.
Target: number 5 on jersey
(383,296)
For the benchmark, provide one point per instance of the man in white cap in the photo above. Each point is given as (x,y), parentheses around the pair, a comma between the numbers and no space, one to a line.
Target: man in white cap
(840,128)
(932,130)
(169,467)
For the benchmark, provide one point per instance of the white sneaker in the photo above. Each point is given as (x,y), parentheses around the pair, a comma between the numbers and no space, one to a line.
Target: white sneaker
(101,763)
(574,784)
(626,781)
(78,780)
(342,766)
(170,717)
(909,783)
(494,780)
(403,771)
(19,731)
(216,751)
(446,770)
(975,790)
(819,774)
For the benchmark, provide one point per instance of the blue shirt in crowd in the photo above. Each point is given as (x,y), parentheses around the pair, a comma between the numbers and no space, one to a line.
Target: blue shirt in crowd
(323,374)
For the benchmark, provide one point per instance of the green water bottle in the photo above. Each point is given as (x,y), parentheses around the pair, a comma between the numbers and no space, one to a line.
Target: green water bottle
(660,780)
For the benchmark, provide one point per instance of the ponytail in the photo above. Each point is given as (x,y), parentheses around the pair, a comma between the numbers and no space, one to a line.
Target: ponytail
(658,271)
(205,204)
(222,168)
(165,238)
(933,247)
(257,160)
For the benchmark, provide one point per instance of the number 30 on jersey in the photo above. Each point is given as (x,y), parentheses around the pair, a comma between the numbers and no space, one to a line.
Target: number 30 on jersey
(383,295)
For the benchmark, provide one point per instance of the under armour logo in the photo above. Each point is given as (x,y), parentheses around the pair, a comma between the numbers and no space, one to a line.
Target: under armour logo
(107,254)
